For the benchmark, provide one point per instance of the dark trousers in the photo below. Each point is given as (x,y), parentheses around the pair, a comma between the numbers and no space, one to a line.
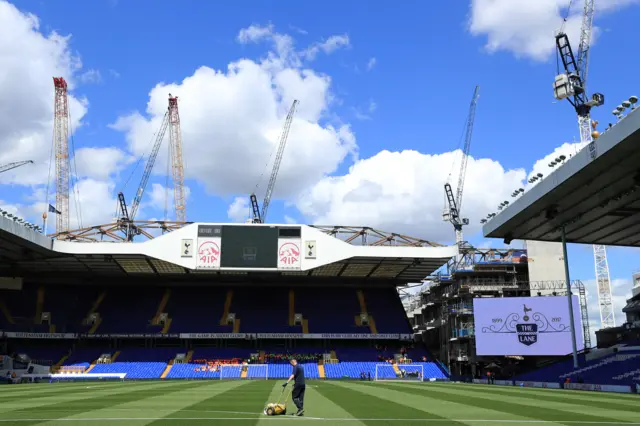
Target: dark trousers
(297,395)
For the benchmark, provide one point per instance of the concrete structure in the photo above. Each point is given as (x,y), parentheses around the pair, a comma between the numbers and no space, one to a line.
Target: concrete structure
(442,313)
(546,263)
(296,250)
(597,201)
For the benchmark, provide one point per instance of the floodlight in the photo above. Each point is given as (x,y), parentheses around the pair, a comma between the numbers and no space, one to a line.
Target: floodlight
(539,175)
(521,189)
(633,100)
(615,112)
(483,221)
(506,202)
(620,108)
(626,104)
(562,158)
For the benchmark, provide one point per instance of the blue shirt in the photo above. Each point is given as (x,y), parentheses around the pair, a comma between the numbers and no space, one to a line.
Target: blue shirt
(298,375)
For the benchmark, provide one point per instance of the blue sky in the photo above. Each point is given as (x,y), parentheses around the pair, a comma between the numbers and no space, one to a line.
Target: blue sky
(395,77)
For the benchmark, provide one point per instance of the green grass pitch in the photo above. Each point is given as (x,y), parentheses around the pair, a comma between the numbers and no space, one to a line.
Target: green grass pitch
(240,403)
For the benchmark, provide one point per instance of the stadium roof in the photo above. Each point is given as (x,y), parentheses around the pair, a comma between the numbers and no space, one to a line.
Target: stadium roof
(597,201)
(26,253)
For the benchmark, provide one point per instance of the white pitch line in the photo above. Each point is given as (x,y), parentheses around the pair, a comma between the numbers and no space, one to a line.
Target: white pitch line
(321,419)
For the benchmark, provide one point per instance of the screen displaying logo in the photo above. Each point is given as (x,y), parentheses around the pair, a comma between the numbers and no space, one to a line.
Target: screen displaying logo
(533,326)
(289,254)
(525,327)
(208,253)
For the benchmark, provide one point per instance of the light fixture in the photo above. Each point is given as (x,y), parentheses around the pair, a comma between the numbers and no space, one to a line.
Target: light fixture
(633,100)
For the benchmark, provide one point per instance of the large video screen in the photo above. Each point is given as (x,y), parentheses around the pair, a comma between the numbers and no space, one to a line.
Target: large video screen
(249,247)
(534,326)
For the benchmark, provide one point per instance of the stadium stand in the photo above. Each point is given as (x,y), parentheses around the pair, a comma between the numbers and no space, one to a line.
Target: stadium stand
(200,309)
(136,309)
(617,369)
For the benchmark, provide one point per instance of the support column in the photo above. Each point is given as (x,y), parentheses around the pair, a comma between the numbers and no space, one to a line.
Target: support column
(569,298)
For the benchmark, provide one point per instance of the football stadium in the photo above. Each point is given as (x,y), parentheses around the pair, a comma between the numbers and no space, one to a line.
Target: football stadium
(177,322)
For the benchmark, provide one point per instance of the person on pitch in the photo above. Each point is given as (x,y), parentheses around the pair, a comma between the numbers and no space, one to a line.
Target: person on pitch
(297,394)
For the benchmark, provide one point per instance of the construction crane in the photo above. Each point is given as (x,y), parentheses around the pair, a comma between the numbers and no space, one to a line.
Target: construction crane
(129,215)
(571,84)
(61,150)
(258,216)
(454,205)
(11,166)
(177,165)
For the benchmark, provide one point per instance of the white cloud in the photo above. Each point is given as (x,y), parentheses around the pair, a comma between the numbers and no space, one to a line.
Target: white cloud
(232,119)
(404,192)
(101,163)
(527,27)
(254,33)
(566,149)
(29,60)
(289,220)
(90,76)
(328,46)
(621,291)
(371,64)
(239,210)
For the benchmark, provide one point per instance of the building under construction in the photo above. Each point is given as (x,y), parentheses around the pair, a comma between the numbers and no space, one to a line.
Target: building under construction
(442,312)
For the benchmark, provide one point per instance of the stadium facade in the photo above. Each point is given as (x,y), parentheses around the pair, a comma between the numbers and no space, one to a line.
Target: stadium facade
(442,313)
(208,291)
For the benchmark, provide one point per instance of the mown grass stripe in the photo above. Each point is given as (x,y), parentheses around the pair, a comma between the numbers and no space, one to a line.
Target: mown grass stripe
(577,393)
(362,405)
(557,398)
(154,406)
(447,409)
(532,411)
(247,397)
(70,407)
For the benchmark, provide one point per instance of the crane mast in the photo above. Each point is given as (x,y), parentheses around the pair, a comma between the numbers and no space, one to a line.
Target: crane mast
(10,166)
(175,138)
(61,149)
(572,85)
(454,205)
(258,216)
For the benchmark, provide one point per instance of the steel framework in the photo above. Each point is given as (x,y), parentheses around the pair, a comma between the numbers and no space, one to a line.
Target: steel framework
(11,166)
(61,149)
(175,140)
(112,232)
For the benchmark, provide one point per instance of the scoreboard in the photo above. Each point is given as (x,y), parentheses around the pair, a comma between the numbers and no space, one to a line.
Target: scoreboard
(248,247)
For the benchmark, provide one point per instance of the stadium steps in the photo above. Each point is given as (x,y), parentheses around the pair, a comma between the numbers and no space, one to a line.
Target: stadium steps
(236,326)
(91,367)
(161,307)
(244,373)
(39,305)
(167,370)
(334,355)
(97,303)
(115,356)
(321,372)
(305,326)
(261,356)
(167,325)
(372,325)
(292,307)
(58,364)
(6,312)
(95,325)
(363,304)
(396,369)
(52,328)
(227,307)
(187,360)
